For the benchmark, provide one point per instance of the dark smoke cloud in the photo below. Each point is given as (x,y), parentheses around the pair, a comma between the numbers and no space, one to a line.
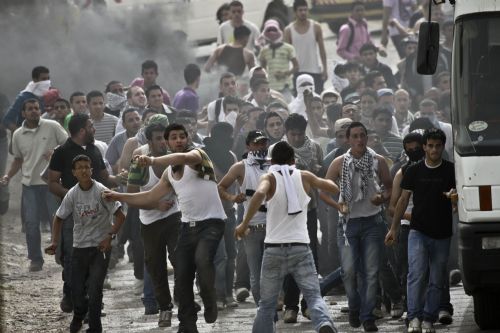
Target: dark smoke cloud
(84,49)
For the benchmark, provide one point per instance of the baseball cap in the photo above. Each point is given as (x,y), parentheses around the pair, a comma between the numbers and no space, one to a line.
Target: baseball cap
(352,99)
(255,136)
(342,124)
(385,92)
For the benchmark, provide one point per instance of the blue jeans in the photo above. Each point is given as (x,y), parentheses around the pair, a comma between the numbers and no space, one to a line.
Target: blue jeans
(361,258)
(332,280)
(254,248)
(89,267)
(148,290)
(276,264)
(225,259)
(426,254)
(195,252)
(32,195)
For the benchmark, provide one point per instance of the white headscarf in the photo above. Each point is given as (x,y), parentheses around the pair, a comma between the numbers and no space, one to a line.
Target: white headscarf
(298,105)
(38,88)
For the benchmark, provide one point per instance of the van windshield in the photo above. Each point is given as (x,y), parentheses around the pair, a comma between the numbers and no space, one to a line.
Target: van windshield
(476,85)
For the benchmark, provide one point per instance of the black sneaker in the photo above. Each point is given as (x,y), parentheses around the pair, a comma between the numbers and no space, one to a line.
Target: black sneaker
(369,326)
(66,304)
(75,326)
(354,319)
(327,329)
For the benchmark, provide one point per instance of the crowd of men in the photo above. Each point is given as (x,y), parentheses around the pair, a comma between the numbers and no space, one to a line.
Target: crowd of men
(231,194)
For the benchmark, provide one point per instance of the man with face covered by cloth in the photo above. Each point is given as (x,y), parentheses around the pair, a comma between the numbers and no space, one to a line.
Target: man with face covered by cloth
(304,82)
(247,172)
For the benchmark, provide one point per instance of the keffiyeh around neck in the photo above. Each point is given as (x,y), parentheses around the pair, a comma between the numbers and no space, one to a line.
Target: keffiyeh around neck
(258,158)
(365,166)
(291,193)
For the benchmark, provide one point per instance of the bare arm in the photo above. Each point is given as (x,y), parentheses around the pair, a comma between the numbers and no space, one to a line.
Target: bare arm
(213,59)
(326,185)
(55,186)
(192,157)
(254,204)
(401,206)
(385,24)
(322,51)
(141,199)
(56,231)
(235,173)
(127,150)
(287,35)
(15,166)
(396,193)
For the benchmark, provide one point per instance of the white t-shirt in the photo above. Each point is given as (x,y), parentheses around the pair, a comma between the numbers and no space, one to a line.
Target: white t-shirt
(401,11)
(228,118)
(226,34)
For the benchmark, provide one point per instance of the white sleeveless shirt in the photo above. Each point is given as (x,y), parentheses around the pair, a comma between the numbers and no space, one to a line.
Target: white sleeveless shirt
(198,198)
(148,216)
(306,49)
(281,227)
(250,182)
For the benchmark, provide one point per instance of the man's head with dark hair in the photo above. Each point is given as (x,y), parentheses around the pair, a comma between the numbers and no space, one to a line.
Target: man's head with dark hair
(222,13)
(115,87)
(299,3)
(434,134)
(368,55)
(295,122)
(358,10)
(80,158)
(192,73)
(149,64)
(176,136)
(375,80)
(156,127)
(235,3)
(355,124)
(92,94)
(78,122)
(282,154)
(412,137)
(241,33)
(29,101)
(62,100)
(40,73)
(236,12)
(127,111)
(152,88)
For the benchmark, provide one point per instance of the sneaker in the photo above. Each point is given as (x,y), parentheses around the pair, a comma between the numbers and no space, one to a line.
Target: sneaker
(397,310)
(445,317)
(36,266)
(231,302)
(221,305)
(415,326)
(369,326)
(138,287)
(344,309)
(210,314)
(290,317)
(183,328)
(428,327)
(76,325)
(107,284)
(378,313)
(66,304)
(306,314)
(455,277)
(165,318)
(242,294)
(354,319)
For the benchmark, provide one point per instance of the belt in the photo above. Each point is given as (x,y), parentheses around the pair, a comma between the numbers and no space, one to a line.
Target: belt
(266,245)
(261,226)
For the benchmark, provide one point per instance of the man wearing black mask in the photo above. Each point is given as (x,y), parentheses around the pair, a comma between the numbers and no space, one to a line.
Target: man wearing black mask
(412,144)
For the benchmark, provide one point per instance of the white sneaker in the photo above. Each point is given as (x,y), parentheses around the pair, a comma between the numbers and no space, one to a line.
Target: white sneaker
(428,327)
(415,326)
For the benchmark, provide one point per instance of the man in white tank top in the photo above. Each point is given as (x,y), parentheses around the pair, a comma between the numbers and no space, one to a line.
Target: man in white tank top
(286,247)
(247,172)
(359,236)
(160,223)
(190,175)
(306,37)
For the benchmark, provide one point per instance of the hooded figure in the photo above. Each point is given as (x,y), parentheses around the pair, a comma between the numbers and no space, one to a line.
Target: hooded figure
(304,82)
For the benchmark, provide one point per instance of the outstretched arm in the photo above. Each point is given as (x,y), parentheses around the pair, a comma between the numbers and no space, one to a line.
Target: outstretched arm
(192,157)
(141,199)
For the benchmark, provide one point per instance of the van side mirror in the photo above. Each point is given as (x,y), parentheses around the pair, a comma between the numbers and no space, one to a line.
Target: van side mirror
(428,48)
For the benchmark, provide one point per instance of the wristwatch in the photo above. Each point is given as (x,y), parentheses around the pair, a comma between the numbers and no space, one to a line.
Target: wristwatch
(113,236)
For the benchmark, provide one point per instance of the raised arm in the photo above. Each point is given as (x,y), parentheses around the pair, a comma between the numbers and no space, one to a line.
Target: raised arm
(192,157)
(326,185)
(235,173)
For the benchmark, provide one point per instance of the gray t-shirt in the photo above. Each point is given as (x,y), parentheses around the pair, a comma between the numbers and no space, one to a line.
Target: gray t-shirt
(92,215)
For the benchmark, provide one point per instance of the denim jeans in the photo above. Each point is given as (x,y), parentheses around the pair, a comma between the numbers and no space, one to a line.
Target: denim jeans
(89,267)
(276,264)
(4,190)
(66,252)
(32,195)
(390,284)
(134,224)
(242,279)
(254,248)
(402,256)
(292,292)
(159,237)
(332,280)
(148,291)
(225,259)
(426,257)
(195,252)
(361,258)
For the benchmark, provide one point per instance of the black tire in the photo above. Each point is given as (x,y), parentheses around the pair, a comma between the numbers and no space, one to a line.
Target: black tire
(486,311)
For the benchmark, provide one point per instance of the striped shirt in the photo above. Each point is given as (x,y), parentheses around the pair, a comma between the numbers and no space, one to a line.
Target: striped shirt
(105,128)
(278,60)
(393,144)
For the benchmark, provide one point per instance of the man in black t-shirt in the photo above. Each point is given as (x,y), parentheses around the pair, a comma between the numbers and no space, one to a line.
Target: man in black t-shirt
(432,183)
(61,179)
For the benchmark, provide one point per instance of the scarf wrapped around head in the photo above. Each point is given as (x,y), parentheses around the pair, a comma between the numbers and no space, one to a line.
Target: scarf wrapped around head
(115,102)
(298,105)
(38,88)
(272,33)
